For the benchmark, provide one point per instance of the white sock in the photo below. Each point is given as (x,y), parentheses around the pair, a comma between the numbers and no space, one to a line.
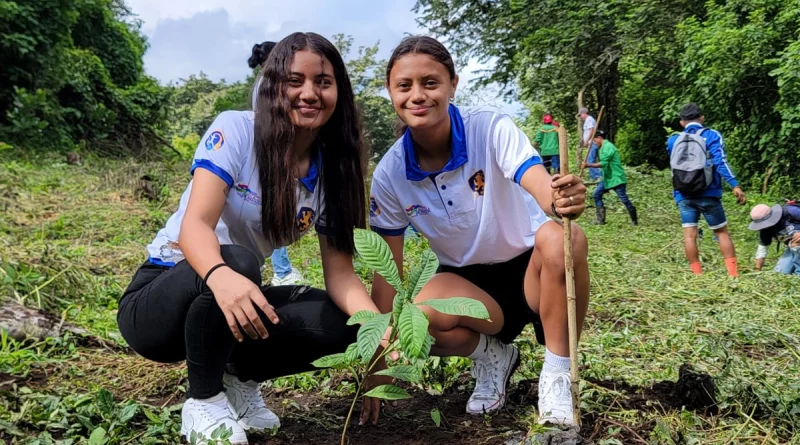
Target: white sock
(213,399)
(554,362)
(480,350)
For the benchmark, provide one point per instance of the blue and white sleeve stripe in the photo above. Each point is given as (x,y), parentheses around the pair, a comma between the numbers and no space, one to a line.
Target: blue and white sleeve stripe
(213,168)
(533,160)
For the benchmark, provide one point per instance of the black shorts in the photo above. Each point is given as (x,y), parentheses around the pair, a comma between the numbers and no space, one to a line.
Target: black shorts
(505,283)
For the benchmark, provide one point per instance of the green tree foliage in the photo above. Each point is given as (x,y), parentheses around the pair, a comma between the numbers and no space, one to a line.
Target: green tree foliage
(368,73)
(73,73)
(642,60)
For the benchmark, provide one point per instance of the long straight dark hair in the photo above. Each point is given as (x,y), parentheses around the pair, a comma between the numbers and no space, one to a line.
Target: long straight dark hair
(341,143)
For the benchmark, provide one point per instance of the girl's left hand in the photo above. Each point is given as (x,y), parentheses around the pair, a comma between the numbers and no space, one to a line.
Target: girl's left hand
(569,195)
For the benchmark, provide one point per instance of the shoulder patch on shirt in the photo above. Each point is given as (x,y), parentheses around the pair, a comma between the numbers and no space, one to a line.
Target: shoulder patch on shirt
(304,218)
(374,210)
(215,140)
(417,210)
(477,183)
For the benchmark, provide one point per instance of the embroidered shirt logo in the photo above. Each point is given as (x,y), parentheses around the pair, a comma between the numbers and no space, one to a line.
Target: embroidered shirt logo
(248,195)
(417,210)
(304,219)
(215,140)
(477,183)
(374,210)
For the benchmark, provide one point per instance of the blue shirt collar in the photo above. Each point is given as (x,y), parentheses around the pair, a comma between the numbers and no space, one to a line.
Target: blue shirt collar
(310,180)
(458,153)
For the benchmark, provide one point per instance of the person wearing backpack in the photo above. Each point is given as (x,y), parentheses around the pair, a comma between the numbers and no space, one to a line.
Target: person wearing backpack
(698,164)
(782,223)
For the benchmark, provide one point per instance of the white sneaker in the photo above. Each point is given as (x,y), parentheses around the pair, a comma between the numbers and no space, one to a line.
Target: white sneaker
(247,404)
(492,374)
(204,417)
(294,277)
(555,398)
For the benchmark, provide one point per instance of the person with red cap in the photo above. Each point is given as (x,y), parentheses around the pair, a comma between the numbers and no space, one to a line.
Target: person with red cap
(546,141)
(781,223)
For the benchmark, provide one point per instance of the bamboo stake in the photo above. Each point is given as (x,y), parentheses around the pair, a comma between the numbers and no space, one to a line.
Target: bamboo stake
(572,310)
(589,145)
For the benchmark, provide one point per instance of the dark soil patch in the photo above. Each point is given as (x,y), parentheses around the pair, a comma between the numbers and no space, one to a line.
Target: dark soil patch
(695,391)
(37,378)
(317,419)
(313,419)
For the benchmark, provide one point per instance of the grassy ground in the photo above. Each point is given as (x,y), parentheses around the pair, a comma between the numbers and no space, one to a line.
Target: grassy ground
(72,235)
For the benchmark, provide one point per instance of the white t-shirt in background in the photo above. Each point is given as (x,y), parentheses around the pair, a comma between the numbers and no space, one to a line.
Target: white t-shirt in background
(588,124)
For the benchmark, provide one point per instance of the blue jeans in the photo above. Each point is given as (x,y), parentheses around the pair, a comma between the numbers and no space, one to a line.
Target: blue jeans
(620,190)
(710,208)
(280,262)
(789,263)
(594,173)
(552,163)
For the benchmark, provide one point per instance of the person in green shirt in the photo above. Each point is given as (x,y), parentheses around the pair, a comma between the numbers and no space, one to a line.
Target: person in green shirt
(614,178)
(546,142)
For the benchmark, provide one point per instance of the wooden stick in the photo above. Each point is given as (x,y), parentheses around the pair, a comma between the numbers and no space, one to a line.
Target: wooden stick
(589,145)
(572,309)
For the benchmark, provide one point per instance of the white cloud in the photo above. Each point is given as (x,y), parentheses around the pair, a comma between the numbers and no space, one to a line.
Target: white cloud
(216,36)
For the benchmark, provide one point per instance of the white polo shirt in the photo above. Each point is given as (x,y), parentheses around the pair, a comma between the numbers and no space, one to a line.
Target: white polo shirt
(227,151)
(473,211)
(588,124)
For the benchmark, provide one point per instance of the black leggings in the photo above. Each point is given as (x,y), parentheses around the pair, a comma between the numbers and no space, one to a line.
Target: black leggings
(169,315)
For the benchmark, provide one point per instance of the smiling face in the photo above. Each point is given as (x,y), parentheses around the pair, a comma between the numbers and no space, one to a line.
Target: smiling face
(421,88)
(311,90)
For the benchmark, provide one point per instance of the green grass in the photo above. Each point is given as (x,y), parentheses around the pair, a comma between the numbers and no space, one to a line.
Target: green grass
(72,236)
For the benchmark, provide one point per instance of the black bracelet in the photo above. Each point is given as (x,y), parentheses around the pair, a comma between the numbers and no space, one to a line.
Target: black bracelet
(553,208)
(205,279)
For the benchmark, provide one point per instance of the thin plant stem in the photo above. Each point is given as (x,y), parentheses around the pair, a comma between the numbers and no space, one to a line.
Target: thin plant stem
(360,387)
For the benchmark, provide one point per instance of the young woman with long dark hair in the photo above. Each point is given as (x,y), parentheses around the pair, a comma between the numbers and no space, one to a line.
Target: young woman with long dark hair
(261,180)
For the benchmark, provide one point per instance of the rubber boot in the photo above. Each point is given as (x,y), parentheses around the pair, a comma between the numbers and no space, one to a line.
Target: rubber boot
(601,216)
(634,216)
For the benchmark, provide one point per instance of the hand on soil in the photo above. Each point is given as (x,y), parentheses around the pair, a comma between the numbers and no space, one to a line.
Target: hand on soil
(371,407)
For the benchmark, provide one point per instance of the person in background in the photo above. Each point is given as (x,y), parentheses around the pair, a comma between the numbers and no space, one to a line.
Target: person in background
(707,199)
(614,178)
(588,125)
(546,142)
(781,223)
(283,274)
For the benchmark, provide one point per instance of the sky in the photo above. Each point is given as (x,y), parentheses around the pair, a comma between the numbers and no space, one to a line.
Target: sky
(216,36)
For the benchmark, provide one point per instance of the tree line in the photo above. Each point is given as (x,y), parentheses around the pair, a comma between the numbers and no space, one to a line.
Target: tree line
(73,75)
(642,60)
